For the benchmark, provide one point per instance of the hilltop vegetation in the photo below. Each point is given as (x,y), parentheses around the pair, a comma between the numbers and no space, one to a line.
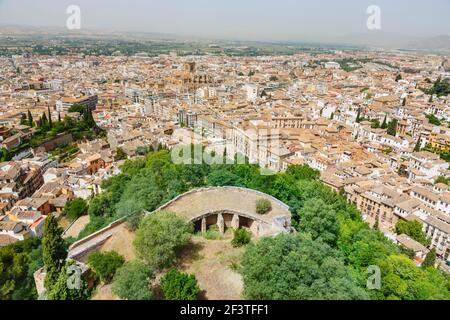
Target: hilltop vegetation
(327,259)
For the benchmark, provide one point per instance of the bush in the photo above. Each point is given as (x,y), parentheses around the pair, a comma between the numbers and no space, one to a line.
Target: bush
(212,233)
(132,281)
(179,286)
(263,206)
(159,236)
(241,238)
(105,264)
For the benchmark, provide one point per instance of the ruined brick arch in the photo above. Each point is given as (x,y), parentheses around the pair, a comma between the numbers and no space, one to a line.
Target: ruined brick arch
(230,207)
(230,219)
(207,203)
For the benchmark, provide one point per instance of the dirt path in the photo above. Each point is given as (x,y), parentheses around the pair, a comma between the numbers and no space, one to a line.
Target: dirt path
(77,227)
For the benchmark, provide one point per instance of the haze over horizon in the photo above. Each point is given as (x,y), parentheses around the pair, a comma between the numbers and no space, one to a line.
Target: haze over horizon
(282,20)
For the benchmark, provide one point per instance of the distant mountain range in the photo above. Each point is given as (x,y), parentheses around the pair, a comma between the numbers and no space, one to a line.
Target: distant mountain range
(370,40)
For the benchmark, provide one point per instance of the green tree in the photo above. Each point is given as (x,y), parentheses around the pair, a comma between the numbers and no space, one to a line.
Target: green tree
(159,236)
(77,108)
(443,180)
(376,226)
(412,229)
(384,125)
(18,262)
(418,145)
(179,286)
(62,291)
(319,219)
(132,281)
(75,208)
(392,128)
(434,120)
(358,116)
(220,178)
(105,264)
(294,267)
(303,172)
(403,280)
(120,155)
(430,259)
(50,122)
(30,119)
(44,122)
(398,78)
(241,238)
(54,251)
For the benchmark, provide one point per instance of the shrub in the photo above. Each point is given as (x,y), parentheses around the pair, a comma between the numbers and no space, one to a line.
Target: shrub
(212,233)
(241,238)
(263,206)
(179,286)
(159,236)
(132,281)
(105,264)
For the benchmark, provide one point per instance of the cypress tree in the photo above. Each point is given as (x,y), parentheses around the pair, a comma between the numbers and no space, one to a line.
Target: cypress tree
(376,226)
(54,251)
(44,119)
(392,128)
(384,124)
(50,124)
(418,144)
(59,116)
(358,116)
(30,119)
(61,291)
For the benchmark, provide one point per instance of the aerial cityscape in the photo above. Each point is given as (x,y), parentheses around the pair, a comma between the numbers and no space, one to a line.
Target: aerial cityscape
(167,164)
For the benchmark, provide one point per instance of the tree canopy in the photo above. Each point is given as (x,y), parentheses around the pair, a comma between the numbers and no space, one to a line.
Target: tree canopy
(323,217)
(159,236)
(132,281)
(75,208)
(105,264)
(54,251)
(176,285)
(295,267)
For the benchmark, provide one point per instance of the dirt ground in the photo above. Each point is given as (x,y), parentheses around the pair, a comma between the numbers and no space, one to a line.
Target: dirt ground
(77,227)
(212,261)
(103,292)
(122,243)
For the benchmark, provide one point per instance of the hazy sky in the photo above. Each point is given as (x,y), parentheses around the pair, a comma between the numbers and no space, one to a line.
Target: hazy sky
(245,19)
